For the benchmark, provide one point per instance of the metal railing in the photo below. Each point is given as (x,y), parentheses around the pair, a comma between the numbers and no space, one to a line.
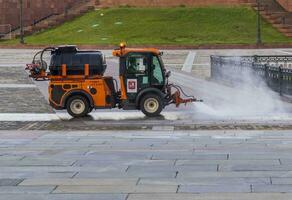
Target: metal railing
(276,71)
(273,7)
(34,22)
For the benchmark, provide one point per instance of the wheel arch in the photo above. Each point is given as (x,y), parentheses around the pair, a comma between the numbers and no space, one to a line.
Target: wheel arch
(148,91)
(77,92)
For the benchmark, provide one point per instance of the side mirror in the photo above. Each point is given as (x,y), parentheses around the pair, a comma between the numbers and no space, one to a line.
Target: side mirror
(168,74)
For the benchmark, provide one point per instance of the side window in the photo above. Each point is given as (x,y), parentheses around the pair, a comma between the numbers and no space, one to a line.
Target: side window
(136,64)
(157,76)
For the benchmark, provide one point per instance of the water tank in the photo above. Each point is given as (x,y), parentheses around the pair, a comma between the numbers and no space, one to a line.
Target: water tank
(75,61)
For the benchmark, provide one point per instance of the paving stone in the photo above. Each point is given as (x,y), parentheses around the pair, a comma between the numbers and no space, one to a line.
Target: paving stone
(272,188)
(257,167)
(63,196)
(203,181)
(150,163)
(112,155)
(255,156)
(214,188)
(37,162)
(211,196)
(151,172)
(187,156)
(105,174)
(24,100)
(10,182)
(26,189)
(79,182)
(60,169)
(124,163)
(240,174)
(281,181)
(198,167)
(285,161)
(119,163)
(227,162)
(8,158)
(117,189)
(26,174)
(162,174)
(14,75)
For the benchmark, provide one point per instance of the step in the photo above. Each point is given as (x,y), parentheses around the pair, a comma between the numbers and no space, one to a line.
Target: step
(274,17)
(282,26)
(277,19)
(248,1)
(24,32)
(285,30)
(265,12)
(40,26)
(261,9)
(278,16)
(279,13)
(288,34)
(28,28)
(91,7)
(59,19)
(249,4)
(276,22)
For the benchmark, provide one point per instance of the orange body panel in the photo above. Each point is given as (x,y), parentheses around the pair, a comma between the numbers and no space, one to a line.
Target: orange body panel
(68,85)
(123,51)
(123,89)
(86,70)
(64,70)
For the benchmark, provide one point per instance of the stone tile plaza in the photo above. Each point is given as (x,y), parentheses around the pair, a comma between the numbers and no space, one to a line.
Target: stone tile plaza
(46,155)
(146,100)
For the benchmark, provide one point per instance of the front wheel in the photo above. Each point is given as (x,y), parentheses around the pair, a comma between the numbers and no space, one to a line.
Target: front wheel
(151,105)
(77,106)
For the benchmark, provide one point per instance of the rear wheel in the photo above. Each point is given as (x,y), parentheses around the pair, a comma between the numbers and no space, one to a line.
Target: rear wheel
(78,106)
(90,109)
(151,105)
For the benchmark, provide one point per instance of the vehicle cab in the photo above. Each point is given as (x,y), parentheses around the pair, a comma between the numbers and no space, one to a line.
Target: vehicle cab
(142,72)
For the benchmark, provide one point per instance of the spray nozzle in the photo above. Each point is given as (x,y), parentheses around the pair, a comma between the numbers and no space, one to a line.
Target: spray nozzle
(198,100)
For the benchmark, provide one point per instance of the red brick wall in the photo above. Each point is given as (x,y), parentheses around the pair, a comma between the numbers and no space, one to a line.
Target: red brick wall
(33,10)
(169,2)
(287,4)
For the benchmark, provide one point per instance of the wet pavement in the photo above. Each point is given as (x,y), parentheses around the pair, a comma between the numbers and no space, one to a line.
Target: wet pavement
(187,153)
(20,95)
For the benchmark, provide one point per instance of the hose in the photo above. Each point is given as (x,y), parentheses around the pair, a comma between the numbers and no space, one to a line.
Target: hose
(46,49)
(181,90)
(116,84)
(33,60)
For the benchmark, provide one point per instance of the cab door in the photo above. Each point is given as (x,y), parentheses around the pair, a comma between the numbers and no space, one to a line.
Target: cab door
(137,74)
(157,77)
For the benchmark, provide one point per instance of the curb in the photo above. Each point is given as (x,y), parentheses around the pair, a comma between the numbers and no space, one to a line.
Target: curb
(80,126)
(166,47)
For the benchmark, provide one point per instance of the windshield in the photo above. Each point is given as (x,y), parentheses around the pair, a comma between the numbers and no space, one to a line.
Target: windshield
(161,63)
(157,71)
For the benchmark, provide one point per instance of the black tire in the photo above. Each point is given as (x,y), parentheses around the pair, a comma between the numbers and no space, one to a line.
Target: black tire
(90,109)
(77,106)
(151,105)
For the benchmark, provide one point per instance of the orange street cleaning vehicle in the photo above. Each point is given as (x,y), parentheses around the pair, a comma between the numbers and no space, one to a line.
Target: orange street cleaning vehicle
(77,82)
